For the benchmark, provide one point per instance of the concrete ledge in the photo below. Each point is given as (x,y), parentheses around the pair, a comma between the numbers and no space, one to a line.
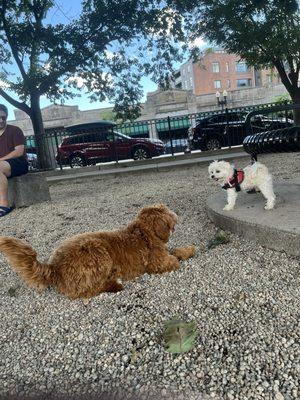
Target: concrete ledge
(150,161)
(28,189)
(150,167)
(278,229)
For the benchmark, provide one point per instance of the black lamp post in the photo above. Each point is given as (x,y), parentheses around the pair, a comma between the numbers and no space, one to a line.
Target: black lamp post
(223,102)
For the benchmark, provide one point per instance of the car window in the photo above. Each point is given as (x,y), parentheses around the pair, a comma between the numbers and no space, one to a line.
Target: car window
(234,117)
(217,119)
(117,136)
(110,136)
(240,117)
(87,138)
(70,140)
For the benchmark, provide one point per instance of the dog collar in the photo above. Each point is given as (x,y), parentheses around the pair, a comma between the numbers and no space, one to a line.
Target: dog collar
(235,181)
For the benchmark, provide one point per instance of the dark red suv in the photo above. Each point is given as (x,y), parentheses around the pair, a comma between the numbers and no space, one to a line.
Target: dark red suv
(95,142)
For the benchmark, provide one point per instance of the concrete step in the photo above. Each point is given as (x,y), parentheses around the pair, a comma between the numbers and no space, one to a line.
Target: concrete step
(149,167)
(277,229)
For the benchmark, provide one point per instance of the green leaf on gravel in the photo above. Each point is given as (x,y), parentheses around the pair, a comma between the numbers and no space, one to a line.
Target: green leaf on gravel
(12,291)
(221,237)
(133,356)
(179,335)
(241,296)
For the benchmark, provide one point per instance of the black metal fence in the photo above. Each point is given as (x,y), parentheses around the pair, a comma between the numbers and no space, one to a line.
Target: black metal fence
(88,144)
(276,139)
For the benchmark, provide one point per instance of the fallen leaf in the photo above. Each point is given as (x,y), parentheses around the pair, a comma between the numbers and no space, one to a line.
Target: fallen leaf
(133,355)
(12,291)
(179,336)
(221,237)
(241,296)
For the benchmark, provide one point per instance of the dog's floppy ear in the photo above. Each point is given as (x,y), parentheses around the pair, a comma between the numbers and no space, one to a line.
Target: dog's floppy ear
(160,219)
(161,229)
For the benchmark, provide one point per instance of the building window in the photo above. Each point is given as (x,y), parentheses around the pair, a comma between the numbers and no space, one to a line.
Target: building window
(177,74)
(215,67)
(241,66)
(189,68)
(228,83)
(191,81)
(227,67)
(244,82)
(269,78)
(217,84)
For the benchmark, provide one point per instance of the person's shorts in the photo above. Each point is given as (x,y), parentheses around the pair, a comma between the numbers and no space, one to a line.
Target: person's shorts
(18,166)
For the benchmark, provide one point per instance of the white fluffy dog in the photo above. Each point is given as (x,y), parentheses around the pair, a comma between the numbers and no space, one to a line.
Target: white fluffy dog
(255,176)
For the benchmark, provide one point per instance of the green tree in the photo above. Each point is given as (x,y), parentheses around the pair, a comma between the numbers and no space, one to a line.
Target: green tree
(265,33)
(106,49)
(282,98)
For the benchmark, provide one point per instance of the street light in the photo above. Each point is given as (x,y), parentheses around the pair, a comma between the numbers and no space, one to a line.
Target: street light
(224,101)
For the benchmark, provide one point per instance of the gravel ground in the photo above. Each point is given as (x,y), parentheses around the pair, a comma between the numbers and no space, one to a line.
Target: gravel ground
(245,300)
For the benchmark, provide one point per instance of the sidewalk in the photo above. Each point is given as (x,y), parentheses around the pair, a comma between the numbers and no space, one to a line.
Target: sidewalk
(277,229)
(154,165)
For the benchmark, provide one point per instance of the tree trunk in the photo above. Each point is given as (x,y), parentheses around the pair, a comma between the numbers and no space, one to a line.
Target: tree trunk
(292,88)
(296,100)
(43,152)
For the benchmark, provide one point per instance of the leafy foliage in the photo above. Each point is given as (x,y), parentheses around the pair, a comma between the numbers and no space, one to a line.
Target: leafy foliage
(282,98)
(107,49)
(179,335)
(221,237)
(265,33)
(104,52)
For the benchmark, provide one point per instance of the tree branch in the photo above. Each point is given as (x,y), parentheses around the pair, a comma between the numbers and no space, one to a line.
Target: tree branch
(38,25)
(283,75)
(22,106)
(11,42)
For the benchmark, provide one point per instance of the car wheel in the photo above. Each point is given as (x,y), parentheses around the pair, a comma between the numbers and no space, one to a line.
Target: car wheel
(140,153)
(213,144)
(77,161)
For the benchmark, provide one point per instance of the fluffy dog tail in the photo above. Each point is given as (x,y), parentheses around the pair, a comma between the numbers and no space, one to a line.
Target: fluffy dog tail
(23,259)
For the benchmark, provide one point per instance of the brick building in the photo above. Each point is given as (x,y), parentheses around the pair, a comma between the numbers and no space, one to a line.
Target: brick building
(218,71)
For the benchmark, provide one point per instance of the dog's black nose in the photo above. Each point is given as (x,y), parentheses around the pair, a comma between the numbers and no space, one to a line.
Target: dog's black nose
(212,176)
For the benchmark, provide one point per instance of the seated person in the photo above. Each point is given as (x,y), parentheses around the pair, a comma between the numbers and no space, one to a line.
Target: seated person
(13,161)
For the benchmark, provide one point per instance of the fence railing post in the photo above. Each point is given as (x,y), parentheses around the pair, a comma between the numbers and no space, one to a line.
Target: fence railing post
(115,148)
(57,150)
(170,136)
(227,127)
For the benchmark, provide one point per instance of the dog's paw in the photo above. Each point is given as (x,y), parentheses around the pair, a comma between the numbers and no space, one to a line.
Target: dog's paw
(191,250)
(228,208)
(269,206)
(183,253)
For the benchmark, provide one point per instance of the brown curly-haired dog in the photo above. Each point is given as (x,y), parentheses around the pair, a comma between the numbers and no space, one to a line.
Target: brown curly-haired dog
(91,263)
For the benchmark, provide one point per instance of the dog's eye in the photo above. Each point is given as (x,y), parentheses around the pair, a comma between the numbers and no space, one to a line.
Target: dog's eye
(217,171)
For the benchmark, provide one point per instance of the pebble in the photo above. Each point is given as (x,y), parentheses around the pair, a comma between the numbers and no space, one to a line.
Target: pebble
(246,346)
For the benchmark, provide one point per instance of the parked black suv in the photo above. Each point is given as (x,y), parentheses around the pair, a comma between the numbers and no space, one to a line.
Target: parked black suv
(222,130)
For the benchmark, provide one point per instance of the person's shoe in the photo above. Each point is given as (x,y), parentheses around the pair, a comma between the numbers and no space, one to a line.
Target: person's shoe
(5,210)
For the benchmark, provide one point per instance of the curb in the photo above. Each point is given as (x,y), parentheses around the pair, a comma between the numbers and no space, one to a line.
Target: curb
(278,229)
(152,167)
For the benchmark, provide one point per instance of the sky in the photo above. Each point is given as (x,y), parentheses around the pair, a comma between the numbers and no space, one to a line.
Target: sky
(64,12)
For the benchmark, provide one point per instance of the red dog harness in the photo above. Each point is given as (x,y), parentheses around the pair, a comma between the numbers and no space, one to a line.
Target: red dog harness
(235,181)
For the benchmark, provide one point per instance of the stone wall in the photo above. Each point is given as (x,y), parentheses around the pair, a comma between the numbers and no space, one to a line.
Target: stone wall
(57,116)
(159,104)
(177,102)
(243,97)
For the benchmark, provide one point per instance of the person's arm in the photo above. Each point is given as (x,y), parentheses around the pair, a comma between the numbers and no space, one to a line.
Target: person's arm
(17,152)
